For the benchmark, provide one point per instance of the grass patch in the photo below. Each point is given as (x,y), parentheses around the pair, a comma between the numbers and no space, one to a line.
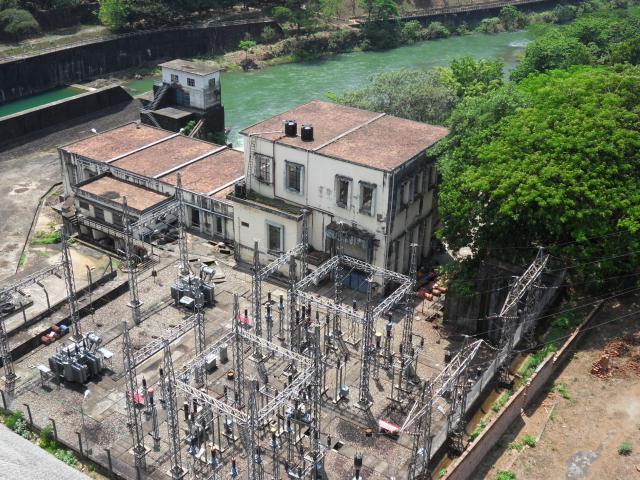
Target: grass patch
(66,456)
(506,475)
(625,448)
(516,446)
(563,390)
(47,441)
(44,238)
(22,260)
(478,430)
(501,401)
(18,424)
(529,441)
(442,472)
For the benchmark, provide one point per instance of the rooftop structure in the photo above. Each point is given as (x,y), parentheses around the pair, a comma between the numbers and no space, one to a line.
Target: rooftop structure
(367,138)
(112,189)
(196,68)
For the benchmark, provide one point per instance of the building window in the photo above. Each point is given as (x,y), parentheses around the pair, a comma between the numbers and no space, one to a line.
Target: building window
(195,217)
(98,213)
(245,224)
(117,219)
(294,177)
(405,193)
(219,225)
(263,168)
(420,182)
(174,78)
(83,205)
(191,82)
(367,193)
(275,237)
(343,191)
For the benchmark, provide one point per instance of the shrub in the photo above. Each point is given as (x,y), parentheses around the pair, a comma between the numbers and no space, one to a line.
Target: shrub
(10,420)
(543,18)
(506,475)
(478,430)
(343,40)
(501,401)
(529,441)
(269,35)
(66,456)
(21,428)
(512,18)
(47,441)
(490,25)
(565,13)
(625,448)
(43,238)
(411,31)
(17,23)
(563,390)
(115,14)
(516,446)
(436,30)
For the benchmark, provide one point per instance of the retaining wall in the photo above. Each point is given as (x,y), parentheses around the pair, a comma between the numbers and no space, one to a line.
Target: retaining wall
(468,462)
(34,119)
(21,76)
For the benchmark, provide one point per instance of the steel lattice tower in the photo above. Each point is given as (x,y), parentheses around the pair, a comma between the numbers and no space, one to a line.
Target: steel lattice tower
(5,354)
(257,290)
(254,465)
(238,378)
(292,303)
(70,285)
(200,337)
(422,440)
(367,347)
(135,422)
(305,243)
(339,252)
(173,430)
(407,328)
(182,236)
(132,265)
(316,405)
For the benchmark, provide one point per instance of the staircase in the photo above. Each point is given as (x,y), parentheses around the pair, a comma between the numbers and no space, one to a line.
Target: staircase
(149,115)
(253,140)
(196,129)
(162,91)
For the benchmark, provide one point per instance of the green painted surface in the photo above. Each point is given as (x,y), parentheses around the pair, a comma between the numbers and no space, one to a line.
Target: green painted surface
(254,96)
(38,100)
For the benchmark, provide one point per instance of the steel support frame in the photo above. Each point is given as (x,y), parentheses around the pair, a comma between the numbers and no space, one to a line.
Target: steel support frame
(171,403)
(173,334)
(67,267)
(135,422)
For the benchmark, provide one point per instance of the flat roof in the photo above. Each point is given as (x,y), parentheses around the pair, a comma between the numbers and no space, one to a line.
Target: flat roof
(385,143)
(372,139)
(113,189)
(197,68)
(104,146)
(164,156)
(211,173)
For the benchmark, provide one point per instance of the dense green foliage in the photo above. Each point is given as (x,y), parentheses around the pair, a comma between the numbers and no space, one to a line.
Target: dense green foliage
(16,23)
(115,13)
(414,94)
(551,161)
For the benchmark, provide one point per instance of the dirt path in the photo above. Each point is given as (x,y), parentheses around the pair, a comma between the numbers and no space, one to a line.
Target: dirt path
(581,423)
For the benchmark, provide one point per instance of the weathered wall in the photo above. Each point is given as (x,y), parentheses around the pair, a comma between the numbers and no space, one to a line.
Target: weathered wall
(19,124)
(25,76)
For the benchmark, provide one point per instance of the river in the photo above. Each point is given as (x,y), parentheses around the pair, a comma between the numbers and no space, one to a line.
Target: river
(253,96)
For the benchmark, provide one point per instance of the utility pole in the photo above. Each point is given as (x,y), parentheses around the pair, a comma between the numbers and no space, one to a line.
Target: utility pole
(407,329)
(257,290)
(305,243)
(200,336)
(135,422)
(71,287)
(292,303)
(176,471)
(238,377)
(132,264)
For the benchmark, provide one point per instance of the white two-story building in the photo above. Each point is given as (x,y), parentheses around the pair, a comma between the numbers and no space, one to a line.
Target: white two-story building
(366,174)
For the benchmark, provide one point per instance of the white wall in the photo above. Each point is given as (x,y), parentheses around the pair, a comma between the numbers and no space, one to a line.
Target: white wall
(200,94)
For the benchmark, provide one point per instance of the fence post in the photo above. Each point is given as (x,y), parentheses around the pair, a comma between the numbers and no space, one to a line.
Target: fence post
(4,400)
(109,464)
(55,430)
(80,443)
(29,413)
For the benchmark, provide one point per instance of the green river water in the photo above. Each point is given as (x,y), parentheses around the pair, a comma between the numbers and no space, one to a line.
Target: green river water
(253,96)
(38,100)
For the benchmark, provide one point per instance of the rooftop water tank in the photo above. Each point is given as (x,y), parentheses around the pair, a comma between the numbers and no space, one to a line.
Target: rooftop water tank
(306,133)
(290,128)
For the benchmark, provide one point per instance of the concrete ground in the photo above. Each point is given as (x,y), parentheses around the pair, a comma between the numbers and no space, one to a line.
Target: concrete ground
(30,167)
(105,408)
(19,458)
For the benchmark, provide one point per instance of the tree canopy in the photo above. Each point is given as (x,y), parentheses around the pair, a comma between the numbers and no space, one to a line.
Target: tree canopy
(551,161)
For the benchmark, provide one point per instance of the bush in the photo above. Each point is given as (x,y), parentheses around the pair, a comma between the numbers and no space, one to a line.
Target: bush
(565,13)
(506,475)
(501,401)
(17,23)
(490,25)
(269,35)
(115,14)
(625,448)
(66,456)
(411,31)
(436,30)
(47,441)
(512,18)
(21,428)
(563,390)
(478,430)
(542,18)
(380,34)
(529,441)
(343,40)
(11,420)
(43,238)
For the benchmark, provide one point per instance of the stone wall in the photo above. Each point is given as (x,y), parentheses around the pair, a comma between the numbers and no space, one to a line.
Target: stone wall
(26,76)
(23,123)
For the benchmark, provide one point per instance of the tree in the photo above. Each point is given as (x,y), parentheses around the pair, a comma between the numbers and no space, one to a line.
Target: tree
(551,161)
(476,77)
(114,13)
(626,52)
(331,8)
(553,50)
(512,18)
(413,94)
